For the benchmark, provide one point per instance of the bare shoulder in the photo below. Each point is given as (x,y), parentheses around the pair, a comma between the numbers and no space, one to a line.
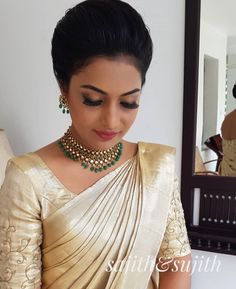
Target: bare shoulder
(231,116)
(51,150)
(52,155)
(229,125)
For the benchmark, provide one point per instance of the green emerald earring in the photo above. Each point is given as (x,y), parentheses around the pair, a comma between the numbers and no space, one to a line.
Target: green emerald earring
(63,104)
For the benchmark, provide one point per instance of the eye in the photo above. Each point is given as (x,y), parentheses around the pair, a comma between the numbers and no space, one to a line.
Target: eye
(90,102)
(133,105)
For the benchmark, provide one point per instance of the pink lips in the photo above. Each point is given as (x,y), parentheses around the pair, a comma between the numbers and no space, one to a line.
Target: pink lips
(106,135)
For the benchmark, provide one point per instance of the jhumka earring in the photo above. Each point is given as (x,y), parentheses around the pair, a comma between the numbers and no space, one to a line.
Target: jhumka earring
(63,104)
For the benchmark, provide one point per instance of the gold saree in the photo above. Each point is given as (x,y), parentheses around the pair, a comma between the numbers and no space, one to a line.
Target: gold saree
(108,236)
(228,163)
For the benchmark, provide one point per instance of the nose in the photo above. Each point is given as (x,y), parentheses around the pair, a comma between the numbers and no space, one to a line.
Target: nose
(110,117)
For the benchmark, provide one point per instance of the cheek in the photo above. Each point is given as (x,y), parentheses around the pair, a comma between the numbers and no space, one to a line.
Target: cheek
(83,114)
(130,117)
(87,119)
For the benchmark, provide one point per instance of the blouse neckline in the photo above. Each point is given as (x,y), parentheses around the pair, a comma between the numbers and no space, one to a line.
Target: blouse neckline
(43,164)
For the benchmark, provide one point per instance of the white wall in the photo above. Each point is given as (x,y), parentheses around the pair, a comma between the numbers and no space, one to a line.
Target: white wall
(213,44)
(29,95)
(231,80)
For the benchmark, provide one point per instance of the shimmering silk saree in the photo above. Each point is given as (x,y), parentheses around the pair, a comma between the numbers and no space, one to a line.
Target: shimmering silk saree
(228,163)
(108,236)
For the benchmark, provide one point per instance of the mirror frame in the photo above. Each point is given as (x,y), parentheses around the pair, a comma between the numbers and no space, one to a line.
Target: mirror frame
(221,239)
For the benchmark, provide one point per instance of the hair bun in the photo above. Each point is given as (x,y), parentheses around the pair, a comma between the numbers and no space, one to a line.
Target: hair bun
(234,91)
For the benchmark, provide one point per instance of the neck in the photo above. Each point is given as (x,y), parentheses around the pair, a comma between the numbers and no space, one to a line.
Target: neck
(97,160)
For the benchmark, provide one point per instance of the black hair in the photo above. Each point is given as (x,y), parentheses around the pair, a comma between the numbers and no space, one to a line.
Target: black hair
(234,91)
(99,28)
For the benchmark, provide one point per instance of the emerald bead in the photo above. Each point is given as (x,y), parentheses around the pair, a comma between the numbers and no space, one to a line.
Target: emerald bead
(60,105)
(105,166)
(63,110)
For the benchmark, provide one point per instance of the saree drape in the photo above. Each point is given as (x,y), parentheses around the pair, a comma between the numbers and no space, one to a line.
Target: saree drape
(108,236)
(228,163)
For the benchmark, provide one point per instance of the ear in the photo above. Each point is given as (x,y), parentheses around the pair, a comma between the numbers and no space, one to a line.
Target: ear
(63,91)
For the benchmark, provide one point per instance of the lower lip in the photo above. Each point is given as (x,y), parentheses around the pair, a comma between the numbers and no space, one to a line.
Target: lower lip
(105,136)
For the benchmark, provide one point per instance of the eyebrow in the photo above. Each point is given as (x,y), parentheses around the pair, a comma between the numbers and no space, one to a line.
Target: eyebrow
(94,88)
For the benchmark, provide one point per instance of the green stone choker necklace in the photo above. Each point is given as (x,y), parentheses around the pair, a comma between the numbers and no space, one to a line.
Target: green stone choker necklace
(95,160)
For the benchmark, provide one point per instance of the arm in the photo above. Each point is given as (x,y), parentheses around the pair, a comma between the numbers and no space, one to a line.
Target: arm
(177,275)
(20,231)
(174,258)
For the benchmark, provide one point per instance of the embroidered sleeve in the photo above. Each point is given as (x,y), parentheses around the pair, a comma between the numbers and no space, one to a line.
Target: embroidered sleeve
(20,231)
(175,242)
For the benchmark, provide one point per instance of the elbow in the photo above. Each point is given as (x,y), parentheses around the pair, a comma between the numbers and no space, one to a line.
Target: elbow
(176,273)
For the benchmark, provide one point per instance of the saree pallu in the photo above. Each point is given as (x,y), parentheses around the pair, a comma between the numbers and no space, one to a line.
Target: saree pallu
(108,236)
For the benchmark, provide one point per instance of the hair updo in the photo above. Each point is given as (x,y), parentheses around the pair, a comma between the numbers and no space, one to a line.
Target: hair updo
(99,28)
(234,91)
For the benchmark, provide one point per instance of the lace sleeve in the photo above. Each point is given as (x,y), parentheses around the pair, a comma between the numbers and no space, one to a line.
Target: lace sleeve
(175,242)
(20,231)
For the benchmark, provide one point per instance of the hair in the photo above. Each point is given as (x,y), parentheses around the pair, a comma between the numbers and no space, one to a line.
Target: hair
(99,28)
(234,91)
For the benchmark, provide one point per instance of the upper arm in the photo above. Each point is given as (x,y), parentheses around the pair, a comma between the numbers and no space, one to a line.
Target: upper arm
(174,249)
(175,242)
(20,231)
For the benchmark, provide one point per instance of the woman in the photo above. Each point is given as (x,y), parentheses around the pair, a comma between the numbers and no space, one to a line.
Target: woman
(92,210)
(228,132)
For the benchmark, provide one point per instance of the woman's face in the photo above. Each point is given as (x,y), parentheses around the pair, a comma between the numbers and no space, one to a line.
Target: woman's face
(104,97)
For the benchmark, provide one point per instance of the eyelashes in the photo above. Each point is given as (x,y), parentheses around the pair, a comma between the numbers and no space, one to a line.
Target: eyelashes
(89,102)
(129,105)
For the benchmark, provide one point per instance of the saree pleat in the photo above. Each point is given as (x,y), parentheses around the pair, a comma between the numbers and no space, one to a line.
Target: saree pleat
(92,241)
(103,223)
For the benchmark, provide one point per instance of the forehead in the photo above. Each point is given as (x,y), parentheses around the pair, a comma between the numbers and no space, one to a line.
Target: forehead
(120,70)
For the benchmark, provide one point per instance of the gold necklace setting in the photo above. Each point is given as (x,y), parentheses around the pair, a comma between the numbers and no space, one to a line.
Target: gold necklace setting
(94,160)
